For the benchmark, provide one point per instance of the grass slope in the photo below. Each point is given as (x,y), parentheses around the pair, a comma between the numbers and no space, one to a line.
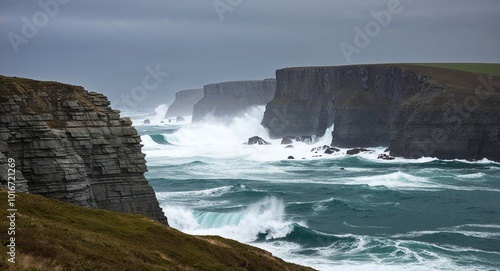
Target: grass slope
(53,235)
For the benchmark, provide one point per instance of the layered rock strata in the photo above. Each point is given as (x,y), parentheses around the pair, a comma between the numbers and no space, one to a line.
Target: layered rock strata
(184,103)
(70,145)
(229,99)
(390,105)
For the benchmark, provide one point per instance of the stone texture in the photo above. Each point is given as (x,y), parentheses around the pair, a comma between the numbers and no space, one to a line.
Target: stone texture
(184,103)
(416,110)
(70,145)
(229,99)
(360,100)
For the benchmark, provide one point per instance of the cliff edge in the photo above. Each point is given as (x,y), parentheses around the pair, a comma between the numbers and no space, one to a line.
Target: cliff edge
(417,110)
(229,99)
(54,235)
(184,103)
(68,144)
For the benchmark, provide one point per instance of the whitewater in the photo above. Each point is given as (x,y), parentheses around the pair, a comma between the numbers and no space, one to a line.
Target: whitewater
(330,212)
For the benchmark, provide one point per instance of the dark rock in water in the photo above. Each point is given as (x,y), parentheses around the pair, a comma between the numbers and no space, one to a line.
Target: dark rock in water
(384,156)
(342,168)
(169,120)
(180,119)
(291,157)
(321,148)
(162,121)
(357,150)
(331,150)
(146,121)
(289,147)
(255,140)
(286,140)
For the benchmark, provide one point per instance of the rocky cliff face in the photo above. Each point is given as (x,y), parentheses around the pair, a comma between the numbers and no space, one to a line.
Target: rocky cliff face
(463,121)
(228,99)
(184,102)
(70,145)
(382,105)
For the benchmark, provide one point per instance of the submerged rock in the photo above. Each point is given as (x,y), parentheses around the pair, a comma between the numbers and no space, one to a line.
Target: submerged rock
(291,157)
(289,147)
(331,150)
(180,119)
(320,148)
(286,140)
(385,156)
(147,121)
(255,140)
(357,150)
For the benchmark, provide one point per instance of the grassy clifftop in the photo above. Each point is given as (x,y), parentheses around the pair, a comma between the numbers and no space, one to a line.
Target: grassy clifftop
(52,235)
(485,68)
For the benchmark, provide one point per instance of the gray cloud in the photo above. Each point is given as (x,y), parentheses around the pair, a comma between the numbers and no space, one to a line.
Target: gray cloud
(107,45)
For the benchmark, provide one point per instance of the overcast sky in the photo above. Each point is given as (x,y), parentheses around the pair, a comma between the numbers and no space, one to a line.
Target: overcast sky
(115,46)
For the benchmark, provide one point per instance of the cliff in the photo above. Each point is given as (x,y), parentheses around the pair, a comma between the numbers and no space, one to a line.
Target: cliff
(184,102)
(396,105)
(54,235)
(68,144)
(228,99)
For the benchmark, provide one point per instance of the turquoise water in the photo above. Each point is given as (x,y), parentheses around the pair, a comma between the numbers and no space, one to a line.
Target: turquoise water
(335,212)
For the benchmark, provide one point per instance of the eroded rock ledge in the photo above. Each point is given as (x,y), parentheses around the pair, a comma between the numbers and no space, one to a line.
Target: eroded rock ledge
(70,145)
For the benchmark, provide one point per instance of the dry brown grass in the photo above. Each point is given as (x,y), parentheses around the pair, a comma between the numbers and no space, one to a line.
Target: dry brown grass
(53,235)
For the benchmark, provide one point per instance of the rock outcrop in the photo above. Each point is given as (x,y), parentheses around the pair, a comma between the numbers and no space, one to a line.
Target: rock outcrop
(256,140)
(229,99)
(70,145)
(397,105)
(184,102)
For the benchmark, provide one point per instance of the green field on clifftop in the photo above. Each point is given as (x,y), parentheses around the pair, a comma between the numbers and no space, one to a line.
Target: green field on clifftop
(53,235)
(486,68)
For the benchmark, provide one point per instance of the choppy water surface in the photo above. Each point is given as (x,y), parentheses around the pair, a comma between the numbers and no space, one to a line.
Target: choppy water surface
(335,212)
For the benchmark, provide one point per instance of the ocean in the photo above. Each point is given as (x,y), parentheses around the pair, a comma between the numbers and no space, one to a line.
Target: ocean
(329,212)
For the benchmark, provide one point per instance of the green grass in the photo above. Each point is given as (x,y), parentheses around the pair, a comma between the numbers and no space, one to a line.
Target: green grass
(485,68)
(53,235)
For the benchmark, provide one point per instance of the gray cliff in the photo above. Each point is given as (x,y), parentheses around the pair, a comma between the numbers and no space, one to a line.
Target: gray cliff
(184,102)
(228,99)
(69,144)
(389,105)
